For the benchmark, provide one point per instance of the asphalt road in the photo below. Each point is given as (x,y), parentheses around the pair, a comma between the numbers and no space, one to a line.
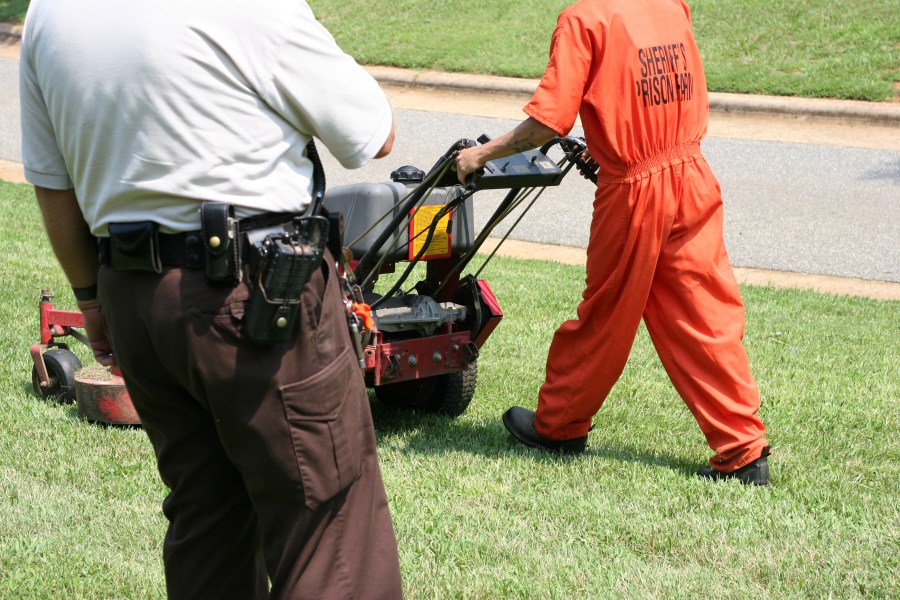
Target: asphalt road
(796,207)
(817,208)
(9,110)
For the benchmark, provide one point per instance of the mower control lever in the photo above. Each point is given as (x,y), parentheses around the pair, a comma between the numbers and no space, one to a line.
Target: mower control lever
(524,170)
(472,178)
(575,149)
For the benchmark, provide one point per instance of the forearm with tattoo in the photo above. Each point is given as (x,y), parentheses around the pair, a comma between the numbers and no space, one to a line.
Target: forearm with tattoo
(524,142)
(529,134)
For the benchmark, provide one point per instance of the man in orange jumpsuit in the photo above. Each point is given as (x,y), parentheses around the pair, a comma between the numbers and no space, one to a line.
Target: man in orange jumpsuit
(632,70)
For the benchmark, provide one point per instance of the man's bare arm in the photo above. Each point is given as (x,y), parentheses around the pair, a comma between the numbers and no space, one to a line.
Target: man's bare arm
(69,235)
(388,143)
(527,135)
(76,250)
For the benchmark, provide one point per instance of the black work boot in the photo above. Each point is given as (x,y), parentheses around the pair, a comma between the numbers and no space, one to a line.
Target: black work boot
(756,473)
(520,423)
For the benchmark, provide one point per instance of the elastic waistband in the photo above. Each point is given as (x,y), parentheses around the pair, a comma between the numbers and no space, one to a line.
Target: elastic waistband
(653,164)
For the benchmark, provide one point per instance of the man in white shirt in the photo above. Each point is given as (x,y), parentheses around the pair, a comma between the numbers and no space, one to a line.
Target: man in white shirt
(133,114)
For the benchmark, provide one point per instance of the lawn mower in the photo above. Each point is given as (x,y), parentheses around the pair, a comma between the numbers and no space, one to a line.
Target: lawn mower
(420,347)
(58,375)
(417,345)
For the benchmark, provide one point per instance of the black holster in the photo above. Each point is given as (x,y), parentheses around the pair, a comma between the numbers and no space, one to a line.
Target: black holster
(281,263)
(222,242)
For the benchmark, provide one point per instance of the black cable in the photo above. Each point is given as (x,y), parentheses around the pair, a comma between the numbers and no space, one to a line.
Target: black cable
(367,258)
(418,257)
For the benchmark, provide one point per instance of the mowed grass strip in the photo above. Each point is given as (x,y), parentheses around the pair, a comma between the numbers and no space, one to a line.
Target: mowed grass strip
(813,48)
(479,517)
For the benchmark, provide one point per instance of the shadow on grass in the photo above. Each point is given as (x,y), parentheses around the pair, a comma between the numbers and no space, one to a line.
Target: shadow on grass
(429,434)
(75,416)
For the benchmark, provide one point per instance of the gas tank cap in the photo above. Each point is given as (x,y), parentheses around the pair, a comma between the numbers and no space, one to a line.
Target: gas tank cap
(408,173)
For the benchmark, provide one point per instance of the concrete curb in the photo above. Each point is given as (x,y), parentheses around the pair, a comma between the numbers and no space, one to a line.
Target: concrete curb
(8,30)
(850,110)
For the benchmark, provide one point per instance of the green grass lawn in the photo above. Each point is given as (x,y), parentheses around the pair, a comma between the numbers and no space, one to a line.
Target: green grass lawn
(813,48)
(479,517)
(13,10)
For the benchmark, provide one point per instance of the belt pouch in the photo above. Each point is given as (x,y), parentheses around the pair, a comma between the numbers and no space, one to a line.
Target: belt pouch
(221,240)
(134,246)
(284,266)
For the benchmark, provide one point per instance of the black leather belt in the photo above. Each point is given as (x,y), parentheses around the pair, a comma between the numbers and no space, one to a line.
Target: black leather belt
(185,249)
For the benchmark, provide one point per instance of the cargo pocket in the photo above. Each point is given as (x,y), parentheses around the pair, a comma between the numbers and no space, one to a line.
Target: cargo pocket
(324,417)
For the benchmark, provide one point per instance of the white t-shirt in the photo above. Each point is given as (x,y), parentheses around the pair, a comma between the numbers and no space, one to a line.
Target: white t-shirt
(149,108)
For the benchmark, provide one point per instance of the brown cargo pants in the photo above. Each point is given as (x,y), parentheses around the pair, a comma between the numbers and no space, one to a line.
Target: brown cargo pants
(268,451)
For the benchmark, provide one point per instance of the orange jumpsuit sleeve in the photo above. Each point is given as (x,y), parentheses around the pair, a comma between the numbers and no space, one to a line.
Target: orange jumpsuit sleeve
(687,10)
(558,97)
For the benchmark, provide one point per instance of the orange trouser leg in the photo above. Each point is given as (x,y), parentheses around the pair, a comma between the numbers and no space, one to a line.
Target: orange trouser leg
(587,354)
(696,320)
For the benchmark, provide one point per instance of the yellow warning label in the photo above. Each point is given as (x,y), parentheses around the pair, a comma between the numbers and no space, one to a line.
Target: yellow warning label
(419,223)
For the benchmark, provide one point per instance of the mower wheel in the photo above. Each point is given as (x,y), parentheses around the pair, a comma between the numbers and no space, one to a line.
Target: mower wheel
(447,395)
(61,368)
